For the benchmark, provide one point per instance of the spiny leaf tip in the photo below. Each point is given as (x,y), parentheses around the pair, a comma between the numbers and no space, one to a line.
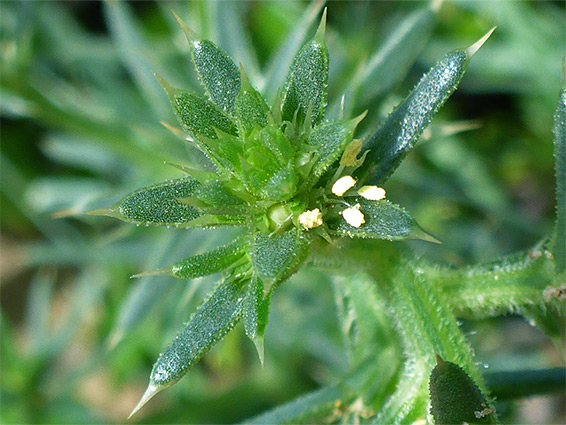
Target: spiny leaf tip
(106,212)
(476,46)
(166,86)
(321,31)
(150,392)
(189,33)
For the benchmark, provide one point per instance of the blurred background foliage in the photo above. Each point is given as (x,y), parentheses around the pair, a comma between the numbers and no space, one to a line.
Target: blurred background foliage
(80,128)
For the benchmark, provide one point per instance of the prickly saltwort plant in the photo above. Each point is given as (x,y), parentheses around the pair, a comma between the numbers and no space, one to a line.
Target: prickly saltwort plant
(303,189)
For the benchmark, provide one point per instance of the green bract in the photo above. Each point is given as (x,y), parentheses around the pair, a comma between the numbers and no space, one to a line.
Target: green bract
(298,186)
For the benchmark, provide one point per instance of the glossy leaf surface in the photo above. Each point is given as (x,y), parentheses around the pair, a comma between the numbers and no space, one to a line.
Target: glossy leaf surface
(198,116)
(251,109)
(383,220)
(275,257)
(158,204)
(205,264)
(211,321)
(307,83)
(327,142)
(217,72)
(393,140)
(255,314)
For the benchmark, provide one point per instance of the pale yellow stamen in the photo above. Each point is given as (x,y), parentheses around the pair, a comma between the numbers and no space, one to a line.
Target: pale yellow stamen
(372,193)
(311,219)
(353,216)
(342,185)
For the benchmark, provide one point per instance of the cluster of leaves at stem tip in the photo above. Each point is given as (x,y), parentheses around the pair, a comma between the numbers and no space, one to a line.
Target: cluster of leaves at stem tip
(294,181)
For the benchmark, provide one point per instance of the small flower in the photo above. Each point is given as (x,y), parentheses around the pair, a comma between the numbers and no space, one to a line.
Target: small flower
(342,185)
(353,216)
(311,219)
(372,193)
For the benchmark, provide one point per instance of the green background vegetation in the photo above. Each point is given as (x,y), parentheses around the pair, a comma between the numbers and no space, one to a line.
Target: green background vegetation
(80,128)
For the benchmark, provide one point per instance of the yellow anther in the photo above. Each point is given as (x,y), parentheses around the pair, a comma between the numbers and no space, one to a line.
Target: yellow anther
(342,185)
(353,216)
(372,193)
(311,219)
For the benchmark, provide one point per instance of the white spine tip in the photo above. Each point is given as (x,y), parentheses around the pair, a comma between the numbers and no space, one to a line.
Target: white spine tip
(372,193)
(148,395)
(342,185)
(353,216)
(476,46)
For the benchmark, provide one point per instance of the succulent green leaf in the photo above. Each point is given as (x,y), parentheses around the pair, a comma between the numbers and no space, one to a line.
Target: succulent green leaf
(393,140)
(383,220)
(559,248)
(204,264)
(308,80)
(282,185)
(455,398)
(218,74)
(251,109)
(211,321)
(231,31)
(197,115)
(328,141)
(158,204)
(225,150)
(255,314)
(283,59)
(215,198)
(275,257)
(276,142)
(267,164)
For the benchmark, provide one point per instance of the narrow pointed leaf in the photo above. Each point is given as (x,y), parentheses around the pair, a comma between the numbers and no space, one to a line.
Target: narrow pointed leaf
(211,321)
(251,109)
(231,31)
(283,59)
(216,195)
(204,264)
(226,150)
(158,204)
(217,72)
(308,80)
(255,314)
(383,220)
(328,142)
(197,115)
(276,257)
(393,140)
(559,249)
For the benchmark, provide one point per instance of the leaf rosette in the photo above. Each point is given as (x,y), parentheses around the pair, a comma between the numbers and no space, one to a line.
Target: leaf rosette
(285,174)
